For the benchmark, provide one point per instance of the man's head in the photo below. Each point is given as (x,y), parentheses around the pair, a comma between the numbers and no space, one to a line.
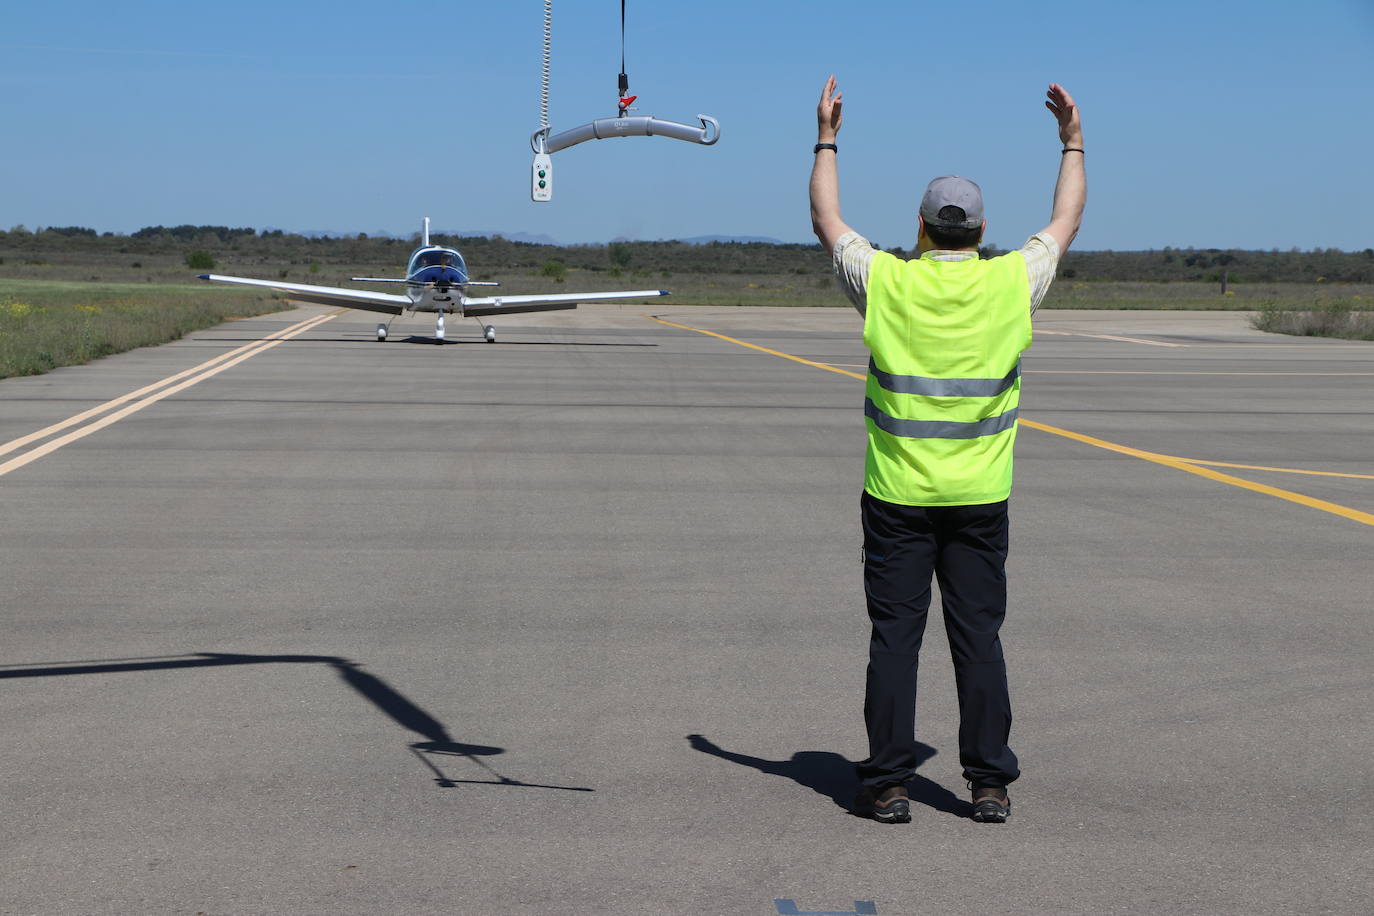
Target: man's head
(952,214)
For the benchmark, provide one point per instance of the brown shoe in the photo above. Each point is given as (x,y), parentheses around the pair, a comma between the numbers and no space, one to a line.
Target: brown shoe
(991,805)
(889,806)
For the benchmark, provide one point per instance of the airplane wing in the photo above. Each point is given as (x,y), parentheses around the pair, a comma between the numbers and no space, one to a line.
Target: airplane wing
(325,295)
(499,305)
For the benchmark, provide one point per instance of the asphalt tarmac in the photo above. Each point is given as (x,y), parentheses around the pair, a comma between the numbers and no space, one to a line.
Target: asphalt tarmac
(573,624)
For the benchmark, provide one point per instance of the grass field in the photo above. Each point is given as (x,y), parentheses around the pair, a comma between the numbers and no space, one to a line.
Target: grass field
(1329,319)
(59,312)
(46,324)
(816,288)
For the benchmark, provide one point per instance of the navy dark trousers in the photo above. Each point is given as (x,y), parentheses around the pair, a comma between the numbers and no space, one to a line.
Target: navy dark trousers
(965,549)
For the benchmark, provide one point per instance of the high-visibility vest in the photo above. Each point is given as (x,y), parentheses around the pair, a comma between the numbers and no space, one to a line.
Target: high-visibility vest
(944,377)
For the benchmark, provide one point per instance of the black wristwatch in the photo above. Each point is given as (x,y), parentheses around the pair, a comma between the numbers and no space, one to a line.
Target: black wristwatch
(829,146)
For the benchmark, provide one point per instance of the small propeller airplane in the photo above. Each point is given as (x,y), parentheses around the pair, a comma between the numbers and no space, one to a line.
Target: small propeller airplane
(436,281)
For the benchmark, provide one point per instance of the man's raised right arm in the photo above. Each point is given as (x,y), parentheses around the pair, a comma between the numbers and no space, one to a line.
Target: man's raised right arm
(1071,190)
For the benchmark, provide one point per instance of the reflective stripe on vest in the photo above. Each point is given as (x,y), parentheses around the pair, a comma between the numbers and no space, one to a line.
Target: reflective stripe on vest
(939,429)
(944,387)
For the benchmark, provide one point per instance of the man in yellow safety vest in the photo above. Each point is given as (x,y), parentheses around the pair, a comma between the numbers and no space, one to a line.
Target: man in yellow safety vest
(945,332)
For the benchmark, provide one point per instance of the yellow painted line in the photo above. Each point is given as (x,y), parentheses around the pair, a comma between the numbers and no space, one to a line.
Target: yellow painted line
(1184,372)
(745,343)
(206,370)
(1260,467)
(1183,464)
(1192,467)
(1153,343)
(1175,460)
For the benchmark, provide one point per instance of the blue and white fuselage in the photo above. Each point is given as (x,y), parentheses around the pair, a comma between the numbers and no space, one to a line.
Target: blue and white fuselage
(433,276)
(436,281)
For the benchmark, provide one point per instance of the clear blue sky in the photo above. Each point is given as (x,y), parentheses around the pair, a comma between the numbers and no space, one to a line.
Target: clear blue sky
(1210,124)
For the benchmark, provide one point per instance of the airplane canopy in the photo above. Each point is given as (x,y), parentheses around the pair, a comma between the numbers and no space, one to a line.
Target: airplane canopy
(436,257)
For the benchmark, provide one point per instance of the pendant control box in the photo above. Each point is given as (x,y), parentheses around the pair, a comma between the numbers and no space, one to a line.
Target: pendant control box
(541,178)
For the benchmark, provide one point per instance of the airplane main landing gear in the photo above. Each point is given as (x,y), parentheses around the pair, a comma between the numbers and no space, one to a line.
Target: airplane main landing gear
(489,333)
(381,332)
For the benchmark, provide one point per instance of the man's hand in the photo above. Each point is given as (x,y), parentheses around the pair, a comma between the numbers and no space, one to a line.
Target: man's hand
(828,116)
(1061,105)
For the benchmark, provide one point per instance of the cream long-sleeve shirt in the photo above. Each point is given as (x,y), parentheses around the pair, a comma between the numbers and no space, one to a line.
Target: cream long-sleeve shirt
(853,255)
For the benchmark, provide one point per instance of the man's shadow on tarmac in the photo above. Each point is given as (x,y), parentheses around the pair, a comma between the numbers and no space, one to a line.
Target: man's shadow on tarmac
(833,776)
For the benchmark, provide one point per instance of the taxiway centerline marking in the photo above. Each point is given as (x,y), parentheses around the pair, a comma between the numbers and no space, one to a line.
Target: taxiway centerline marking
(209,367)
(1192,466)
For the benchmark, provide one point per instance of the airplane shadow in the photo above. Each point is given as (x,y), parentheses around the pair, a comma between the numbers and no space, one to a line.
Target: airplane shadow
(833,775)
(387,699)
(448,342)
(426,340)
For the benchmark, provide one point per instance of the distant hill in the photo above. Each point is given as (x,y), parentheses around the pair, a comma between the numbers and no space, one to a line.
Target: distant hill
(529,238)
(708,239)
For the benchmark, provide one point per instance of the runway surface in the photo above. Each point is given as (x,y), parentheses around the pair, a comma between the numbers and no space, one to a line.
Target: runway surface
(573,624)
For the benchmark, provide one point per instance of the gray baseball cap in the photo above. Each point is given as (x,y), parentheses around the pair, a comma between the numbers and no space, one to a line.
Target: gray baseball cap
(953,191)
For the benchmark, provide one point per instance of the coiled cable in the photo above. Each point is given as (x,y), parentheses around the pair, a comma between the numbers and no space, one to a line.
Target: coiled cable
(544,73)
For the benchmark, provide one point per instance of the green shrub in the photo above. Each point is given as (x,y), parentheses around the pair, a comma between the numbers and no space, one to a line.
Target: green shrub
(554,268)
(200,260)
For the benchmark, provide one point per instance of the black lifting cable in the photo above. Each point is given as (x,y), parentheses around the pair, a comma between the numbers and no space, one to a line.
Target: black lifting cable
(625,98)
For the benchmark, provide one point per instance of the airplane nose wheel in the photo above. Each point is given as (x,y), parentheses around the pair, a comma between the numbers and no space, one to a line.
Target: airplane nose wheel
(490,333)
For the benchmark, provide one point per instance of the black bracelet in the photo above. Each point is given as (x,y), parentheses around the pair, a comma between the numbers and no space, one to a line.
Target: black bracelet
(829,146)
(1071,149)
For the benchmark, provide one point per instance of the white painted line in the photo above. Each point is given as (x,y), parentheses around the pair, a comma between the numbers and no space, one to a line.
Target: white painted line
(1153,343)
(224,361)
(99,409)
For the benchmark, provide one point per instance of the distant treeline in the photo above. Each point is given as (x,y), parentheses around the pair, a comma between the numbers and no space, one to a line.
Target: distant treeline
(499,254)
